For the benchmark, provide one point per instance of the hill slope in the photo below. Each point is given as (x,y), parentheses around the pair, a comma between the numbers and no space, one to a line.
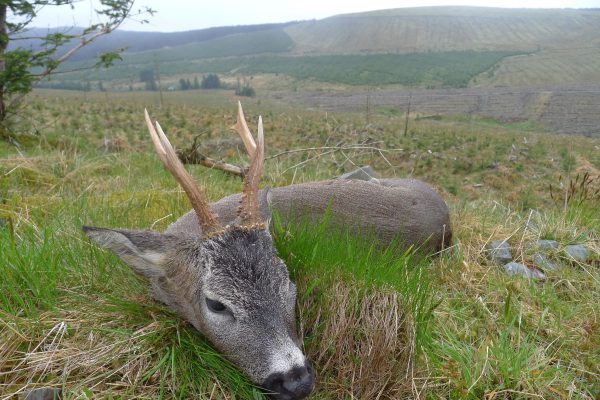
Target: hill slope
(144,41)
(423,29)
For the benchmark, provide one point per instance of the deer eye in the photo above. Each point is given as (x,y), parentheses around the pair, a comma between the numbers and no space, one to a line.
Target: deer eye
(216,306)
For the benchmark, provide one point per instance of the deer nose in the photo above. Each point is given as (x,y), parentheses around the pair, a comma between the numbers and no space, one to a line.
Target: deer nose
(296,384)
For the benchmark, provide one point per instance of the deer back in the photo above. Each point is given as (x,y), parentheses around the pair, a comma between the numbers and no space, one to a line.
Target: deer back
(406,210)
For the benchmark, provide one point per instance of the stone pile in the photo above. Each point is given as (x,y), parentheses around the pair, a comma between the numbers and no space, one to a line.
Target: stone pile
(499,252)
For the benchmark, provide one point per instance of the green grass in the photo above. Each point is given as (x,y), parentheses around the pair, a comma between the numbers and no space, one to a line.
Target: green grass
(74,316)
(326,254)
(80,311)
(519,339)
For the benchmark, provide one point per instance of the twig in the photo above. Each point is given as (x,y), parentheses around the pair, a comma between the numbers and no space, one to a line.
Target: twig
(308,160)
(335,148)
(193,156)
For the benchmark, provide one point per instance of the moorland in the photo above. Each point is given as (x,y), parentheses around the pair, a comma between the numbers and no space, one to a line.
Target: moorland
(513,163)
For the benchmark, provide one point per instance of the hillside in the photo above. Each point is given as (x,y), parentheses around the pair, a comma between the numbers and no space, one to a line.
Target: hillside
(144,41)
(424,29)
(403,30)
(563,46)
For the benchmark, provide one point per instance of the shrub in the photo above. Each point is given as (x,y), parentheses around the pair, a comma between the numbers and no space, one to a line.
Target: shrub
(245,90)
(210,81)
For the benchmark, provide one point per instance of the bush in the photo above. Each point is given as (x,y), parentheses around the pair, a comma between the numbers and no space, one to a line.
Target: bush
(246,90)
(210,81)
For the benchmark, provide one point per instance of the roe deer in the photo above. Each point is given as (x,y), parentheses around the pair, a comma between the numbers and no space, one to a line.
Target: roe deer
(218,268)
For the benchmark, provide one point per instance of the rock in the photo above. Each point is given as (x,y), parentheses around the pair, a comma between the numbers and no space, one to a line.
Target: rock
(543,262)
(44,394)
(499,252)
(513,268)
(577,252)
(546,244)
(365,173)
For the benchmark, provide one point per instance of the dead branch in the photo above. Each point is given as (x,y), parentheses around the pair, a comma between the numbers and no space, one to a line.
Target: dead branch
(193,156)
(320,152)
(332,149)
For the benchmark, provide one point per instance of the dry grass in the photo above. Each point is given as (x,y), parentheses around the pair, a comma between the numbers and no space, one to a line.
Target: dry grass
(365,345)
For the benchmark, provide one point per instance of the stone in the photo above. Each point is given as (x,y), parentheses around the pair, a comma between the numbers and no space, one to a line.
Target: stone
(543,262)
(365,173)
(546,245)
(513,268)
(44,394)
(577,252)
(499,252)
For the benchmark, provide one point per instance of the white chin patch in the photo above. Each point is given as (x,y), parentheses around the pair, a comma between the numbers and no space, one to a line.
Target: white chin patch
(286,358)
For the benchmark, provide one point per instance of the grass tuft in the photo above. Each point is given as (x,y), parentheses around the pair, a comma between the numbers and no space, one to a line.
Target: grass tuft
(364,310)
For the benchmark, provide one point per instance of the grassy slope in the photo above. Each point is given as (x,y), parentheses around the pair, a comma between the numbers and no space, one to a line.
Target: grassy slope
(425,29)
(268,41)
(73,315)
(578,65)
(565,42)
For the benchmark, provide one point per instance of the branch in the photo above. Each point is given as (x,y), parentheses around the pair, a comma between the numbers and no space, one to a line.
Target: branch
(68,71)
(84,41)
(12,39)
(193,156)
(116,18)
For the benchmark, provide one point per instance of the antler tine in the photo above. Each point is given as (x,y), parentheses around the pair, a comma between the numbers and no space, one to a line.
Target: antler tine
(242,129)
(207,219)
(248,210)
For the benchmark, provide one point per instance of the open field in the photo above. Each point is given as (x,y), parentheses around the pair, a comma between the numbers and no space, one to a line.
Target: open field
(455,326)
(564,109)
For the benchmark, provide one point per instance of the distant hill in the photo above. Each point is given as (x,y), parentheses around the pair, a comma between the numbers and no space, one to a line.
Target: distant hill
(423,29)
(501,47)
(143,41)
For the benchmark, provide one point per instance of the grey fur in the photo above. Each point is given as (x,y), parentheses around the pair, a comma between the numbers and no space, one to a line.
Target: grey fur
(238,268)
(404,209)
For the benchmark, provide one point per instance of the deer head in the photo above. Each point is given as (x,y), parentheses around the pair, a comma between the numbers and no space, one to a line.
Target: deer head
(227,281)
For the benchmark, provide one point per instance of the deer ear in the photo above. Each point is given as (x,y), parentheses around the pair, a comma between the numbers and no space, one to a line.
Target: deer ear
(143,251)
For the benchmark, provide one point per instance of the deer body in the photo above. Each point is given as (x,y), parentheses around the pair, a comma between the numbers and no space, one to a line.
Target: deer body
(217,266)
(406,210)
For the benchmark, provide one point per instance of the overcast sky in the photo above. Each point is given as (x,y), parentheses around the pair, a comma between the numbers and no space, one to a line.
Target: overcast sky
(179,15)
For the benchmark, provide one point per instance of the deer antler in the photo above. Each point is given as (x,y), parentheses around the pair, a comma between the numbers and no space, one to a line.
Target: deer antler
(207,219)
(242,129)
(248,210)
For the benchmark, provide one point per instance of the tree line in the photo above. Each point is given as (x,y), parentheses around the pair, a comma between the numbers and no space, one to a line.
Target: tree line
(209,81)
